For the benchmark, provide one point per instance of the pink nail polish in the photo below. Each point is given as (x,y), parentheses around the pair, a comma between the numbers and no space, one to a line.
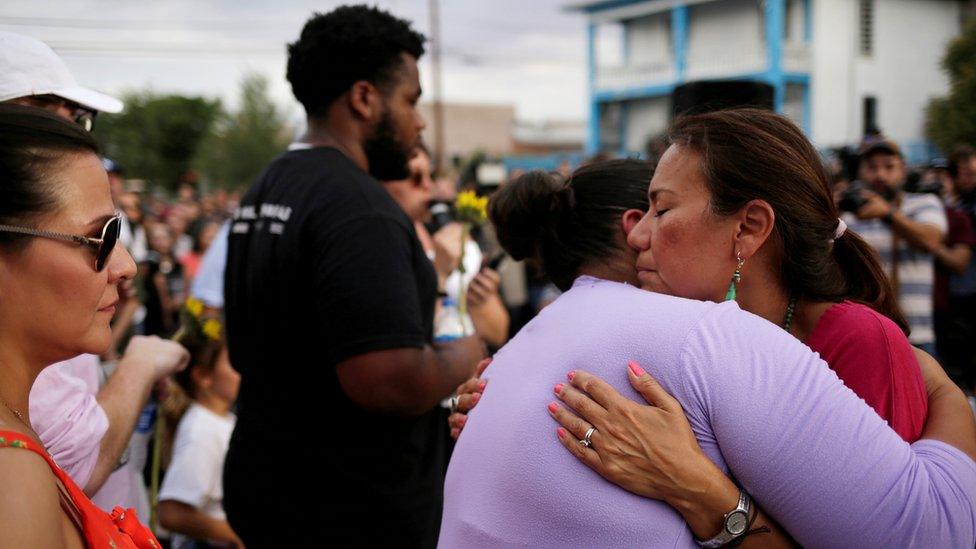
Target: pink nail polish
(570,375)
(561,432)
(553,407)
(559,388)
(481,386)
(475,398)
(636,369)
(462,420)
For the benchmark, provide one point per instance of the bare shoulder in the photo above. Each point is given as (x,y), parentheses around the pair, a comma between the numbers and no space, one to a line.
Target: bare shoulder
(30,510)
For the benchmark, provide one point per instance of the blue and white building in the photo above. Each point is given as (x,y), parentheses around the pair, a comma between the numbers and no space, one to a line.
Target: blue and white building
(837,67)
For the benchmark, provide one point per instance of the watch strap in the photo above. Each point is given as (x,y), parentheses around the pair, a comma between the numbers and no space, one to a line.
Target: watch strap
(744,511)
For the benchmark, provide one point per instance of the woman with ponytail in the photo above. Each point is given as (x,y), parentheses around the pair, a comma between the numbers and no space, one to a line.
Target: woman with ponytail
(741,209)
(758,226)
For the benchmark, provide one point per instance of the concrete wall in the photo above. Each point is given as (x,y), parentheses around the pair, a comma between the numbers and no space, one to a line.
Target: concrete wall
(834,45)
(649,40)
(724,38)
(910,37)
(903,72)
(472,127)
(794,20)
(646,118)
(793,103)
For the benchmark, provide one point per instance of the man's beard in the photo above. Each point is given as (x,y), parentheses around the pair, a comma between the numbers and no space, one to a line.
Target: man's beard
(387,157)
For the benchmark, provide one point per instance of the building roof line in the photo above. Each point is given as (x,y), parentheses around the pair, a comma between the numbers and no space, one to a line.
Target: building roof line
(601,11)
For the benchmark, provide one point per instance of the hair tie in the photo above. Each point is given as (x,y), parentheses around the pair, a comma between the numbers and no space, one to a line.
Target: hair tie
(841,229)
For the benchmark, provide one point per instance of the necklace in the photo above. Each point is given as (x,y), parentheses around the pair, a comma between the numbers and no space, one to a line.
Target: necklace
(790,309)
(17,413)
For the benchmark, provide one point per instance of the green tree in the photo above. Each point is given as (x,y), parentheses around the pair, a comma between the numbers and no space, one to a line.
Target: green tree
(243,144)
(157,137)
(951,120)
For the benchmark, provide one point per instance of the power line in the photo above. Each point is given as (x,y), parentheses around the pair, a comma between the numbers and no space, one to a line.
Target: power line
(234,50)
(137,24)
(161,48)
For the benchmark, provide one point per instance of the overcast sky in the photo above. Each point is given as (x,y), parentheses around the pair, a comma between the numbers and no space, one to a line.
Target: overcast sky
(529,53)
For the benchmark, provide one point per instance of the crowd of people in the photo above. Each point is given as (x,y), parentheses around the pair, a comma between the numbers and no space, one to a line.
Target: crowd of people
(735,343)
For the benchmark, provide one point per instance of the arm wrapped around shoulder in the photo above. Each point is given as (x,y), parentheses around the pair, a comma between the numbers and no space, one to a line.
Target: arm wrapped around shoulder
(813,454)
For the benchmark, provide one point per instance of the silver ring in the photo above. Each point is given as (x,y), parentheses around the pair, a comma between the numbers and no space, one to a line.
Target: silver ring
(587,442)
(454,403)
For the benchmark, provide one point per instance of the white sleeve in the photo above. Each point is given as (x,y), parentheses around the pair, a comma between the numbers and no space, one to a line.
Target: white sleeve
(194,467)
(928,209)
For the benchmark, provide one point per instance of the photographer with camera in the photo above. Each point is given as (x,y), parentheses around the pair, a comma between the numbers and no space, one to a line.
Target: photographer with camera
(902,227)
(960,318)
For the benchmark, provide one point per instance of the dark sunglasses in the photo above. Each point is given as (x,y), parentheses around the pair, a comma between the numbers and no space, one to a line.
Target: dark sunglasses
(83,116)
(103,246)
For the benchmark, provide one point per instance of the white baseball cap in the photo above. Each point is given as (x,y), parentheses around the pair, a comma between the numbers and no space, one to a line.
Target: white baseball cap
(30,67)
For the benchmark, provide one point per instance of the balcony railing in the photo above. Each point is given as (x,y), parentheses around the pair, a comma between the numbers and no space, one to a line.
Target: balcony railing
(701,65)
(796,57)
(635,76)
(722,63)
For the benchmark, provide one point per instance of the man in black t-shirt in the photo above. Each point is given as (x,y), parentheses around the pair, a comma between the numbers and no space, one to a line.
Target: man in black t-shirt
(329,305)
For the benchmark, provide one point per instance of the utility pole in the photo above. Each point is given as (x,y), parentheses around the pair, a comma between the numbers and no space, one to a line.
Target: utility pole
(438,104)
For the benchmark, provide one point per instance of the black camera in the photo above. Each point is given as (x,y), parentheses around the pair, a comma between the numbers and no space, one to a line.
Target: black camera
(441,213)
(852,199)
(916,184)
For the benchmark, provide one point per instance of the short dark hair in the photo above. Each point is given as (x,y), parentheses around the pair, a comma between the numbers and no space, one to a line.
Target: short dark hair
(563,225)
(32,141)
(344,46)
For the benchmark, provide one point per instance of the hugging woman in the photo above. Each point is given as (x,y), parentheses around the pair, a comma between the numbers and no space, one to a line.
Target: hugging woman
(761,406)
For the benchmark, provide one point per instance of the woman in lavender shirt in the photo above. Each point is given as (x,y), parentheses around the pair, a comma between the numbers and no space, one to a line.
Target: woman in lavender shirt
(761,405)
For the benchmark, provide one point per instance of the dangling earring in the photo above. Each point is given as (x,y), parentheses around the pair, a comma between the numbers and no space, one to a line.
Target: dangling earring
(736,276)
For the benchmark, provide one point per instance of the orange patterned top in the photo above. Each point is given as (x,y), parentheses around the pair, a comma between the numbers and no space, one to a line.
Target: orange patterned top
(100,530)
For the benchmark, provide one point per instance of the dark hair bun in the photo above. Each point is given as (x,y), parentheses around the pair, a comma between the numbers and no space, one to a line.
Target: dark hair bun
(530,211)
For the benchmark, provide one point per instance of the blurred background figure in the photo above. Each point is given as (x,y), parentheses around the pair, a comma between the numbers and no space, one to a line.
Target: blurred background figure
(959,350)
(487,315)
(901,226)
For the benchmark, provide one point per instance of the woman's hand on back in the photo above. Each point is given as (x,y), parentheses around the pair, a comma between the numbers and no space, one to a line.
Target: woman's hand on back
(649,450)
(468,395)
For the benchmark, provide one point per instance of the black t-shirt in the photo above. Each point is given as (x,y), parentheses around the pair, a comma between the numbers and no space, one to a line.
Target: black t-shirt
(323,265)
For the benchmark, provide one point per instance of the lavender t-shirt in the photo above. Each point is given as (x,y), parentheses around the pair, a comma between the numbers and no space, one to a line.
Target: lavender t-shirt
(816,457)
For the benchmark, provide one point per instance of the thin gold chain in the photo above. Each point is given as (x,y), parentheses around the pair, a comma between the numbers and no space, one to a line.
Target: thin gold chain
(17,413)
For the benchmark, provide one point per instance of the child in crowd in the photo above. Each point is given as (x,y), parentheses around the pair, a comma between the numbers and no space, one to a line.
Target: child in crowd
(190,500)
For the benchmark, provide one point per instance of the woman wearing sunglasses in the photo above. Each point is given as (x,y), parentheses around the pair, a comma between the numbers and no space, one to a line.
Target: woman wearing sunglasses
(59,273)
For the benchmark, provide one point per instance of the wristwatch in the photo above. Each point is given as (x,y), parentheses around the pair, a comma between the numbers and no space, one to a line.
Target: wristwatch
(735,524)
